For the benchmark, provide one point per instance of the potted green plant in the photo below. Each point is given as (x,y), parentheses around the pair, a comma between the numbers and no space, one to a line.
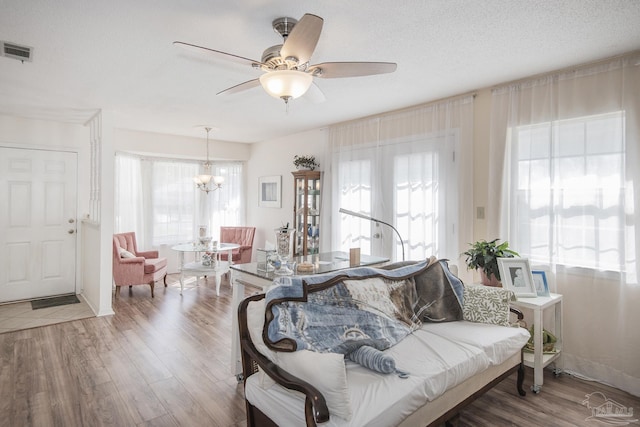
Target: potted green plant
(305,162)
(484,255)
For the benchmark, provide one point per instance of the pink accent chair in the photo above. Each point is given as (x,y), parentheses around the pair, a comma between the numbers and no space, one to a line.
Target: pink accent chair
(131,267)
(242,236)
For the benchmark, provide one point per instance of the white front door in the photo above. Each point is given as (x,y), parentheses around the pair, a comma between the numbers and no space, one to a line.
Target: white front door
(38,191)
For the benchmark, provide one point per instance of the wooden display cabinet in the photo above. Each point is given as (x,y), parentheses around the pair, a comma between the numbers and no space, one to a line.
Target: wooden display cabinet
(306,212)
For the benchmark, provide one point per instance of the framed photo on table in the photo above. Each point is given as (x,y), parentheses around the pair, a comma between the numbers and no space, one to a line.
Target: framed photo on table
(540,282)
(269,191)
(516,276)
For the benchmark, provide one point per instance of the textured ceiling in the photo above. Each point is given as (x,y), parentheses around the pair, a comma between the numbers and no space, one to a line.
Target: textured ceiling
(118,56)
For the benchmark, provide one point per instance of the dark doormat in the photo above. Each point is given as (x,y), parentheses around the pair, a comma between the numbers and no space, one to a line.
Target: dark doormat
(54,302)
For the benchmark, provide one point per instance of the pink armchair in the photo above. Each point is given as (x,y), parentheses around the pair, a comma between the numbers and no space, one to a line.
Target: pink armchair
(131,267)
(242,236)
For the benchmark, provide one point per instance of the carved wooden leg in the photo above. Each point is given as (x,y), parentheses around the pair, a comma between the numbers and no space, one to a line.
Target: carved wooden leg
(117,291)
(520,380)
(152,284)
(165,280)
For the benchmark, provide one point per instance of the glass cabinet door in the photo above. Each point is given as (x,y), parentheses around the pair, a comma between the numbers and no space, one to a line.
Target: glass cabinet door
(306,212)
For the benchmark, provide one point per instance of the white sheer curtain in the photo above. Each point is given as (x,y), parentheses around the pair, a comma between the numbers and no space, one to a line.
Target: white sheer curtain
(171,219)
(158,199)
(412,169)
(128,202)
(566,191)
(226,204)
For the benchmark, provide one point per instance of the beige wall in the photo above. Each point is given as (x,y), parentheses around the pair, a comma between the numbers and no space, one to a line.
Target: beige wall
(179,147)
(276,158)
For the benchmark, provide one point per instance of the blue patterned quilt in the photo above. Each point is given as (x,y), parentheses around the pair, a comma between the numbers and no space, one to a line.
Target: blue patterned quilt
(341,311)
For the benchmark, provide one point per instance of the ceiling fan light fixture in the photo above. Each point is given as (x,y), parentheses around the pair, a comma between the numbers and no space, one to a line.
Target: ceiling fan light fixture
(286,84)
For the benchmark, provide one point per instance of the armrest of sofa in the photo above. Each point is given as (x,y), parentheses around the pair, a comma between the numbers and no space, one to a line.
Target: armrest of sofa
(315,408)
(148,254)
(517,312)
(128,271)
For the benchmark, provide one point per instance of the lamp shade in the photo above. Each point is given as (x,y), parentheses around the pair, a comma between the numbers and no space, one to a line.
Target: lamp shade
(286,83)
(202,179)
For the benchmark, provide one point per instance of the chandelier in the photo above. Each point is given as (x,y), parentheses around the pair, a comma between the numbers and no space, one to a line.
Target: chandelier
(207,182)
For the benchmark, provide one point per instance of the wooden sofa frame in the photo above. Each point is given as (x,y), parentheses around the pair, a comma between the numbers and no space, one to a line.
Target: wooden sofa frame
(316,410)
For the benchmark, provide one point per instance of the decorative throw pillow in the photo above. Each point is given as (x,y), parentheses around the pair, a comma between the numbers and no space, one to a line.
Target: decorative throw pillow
(126,254)
(485,304)
(326,372)
(440,293)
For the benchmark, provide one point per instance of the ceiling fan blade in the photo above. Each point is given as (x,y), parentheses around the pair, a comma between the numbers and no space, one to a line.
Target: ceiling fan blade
(331,70)
(224,55)
(314,94)
(303,39)
(240,87)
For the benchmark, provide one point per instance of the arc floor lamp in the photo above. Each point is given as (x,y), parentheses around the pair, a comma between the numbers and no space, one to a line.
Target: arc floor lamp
(359,215)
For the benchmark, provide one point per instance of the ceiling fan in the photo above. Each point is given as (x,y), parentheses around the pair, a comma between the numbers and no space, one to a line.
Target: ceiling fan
(288,74)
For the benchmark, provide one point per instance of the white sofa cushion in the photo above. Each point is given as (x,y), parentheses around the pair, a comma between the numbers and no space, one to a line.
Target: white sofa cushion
(497,342)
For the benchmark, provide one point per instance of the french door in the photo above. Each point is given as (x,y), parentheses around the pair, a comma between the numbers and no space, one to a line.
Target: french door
(38,193)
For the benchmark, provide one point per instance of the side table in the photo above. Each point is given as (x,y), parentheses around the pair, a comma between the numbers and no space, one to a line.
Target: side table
(539,359)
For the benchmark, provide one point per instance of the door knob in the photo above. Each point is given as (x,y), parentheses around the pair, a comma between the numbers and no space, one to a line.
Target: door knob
(71,221)
(71,231)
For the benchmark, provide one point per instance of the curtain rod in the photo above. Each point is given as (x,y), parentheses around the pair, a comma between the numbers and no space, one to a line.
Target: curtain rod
(174,159)
(567,69)
(413,107)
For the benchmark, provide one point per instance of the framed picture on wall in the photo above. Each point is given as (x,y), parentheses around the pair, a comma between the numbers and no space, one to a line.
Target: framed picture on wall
(516,276)
(270,191)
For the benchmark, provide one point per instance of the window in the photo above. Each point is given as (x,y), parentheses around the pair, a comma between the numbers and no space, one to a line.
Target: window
(355,183)
(158,199)
(568,192)
(417,175)
(173,201)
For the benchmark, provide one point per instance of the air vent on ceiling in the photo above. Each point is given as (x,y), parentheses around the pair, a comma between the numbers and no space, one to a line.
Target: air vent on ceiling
(21,53)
